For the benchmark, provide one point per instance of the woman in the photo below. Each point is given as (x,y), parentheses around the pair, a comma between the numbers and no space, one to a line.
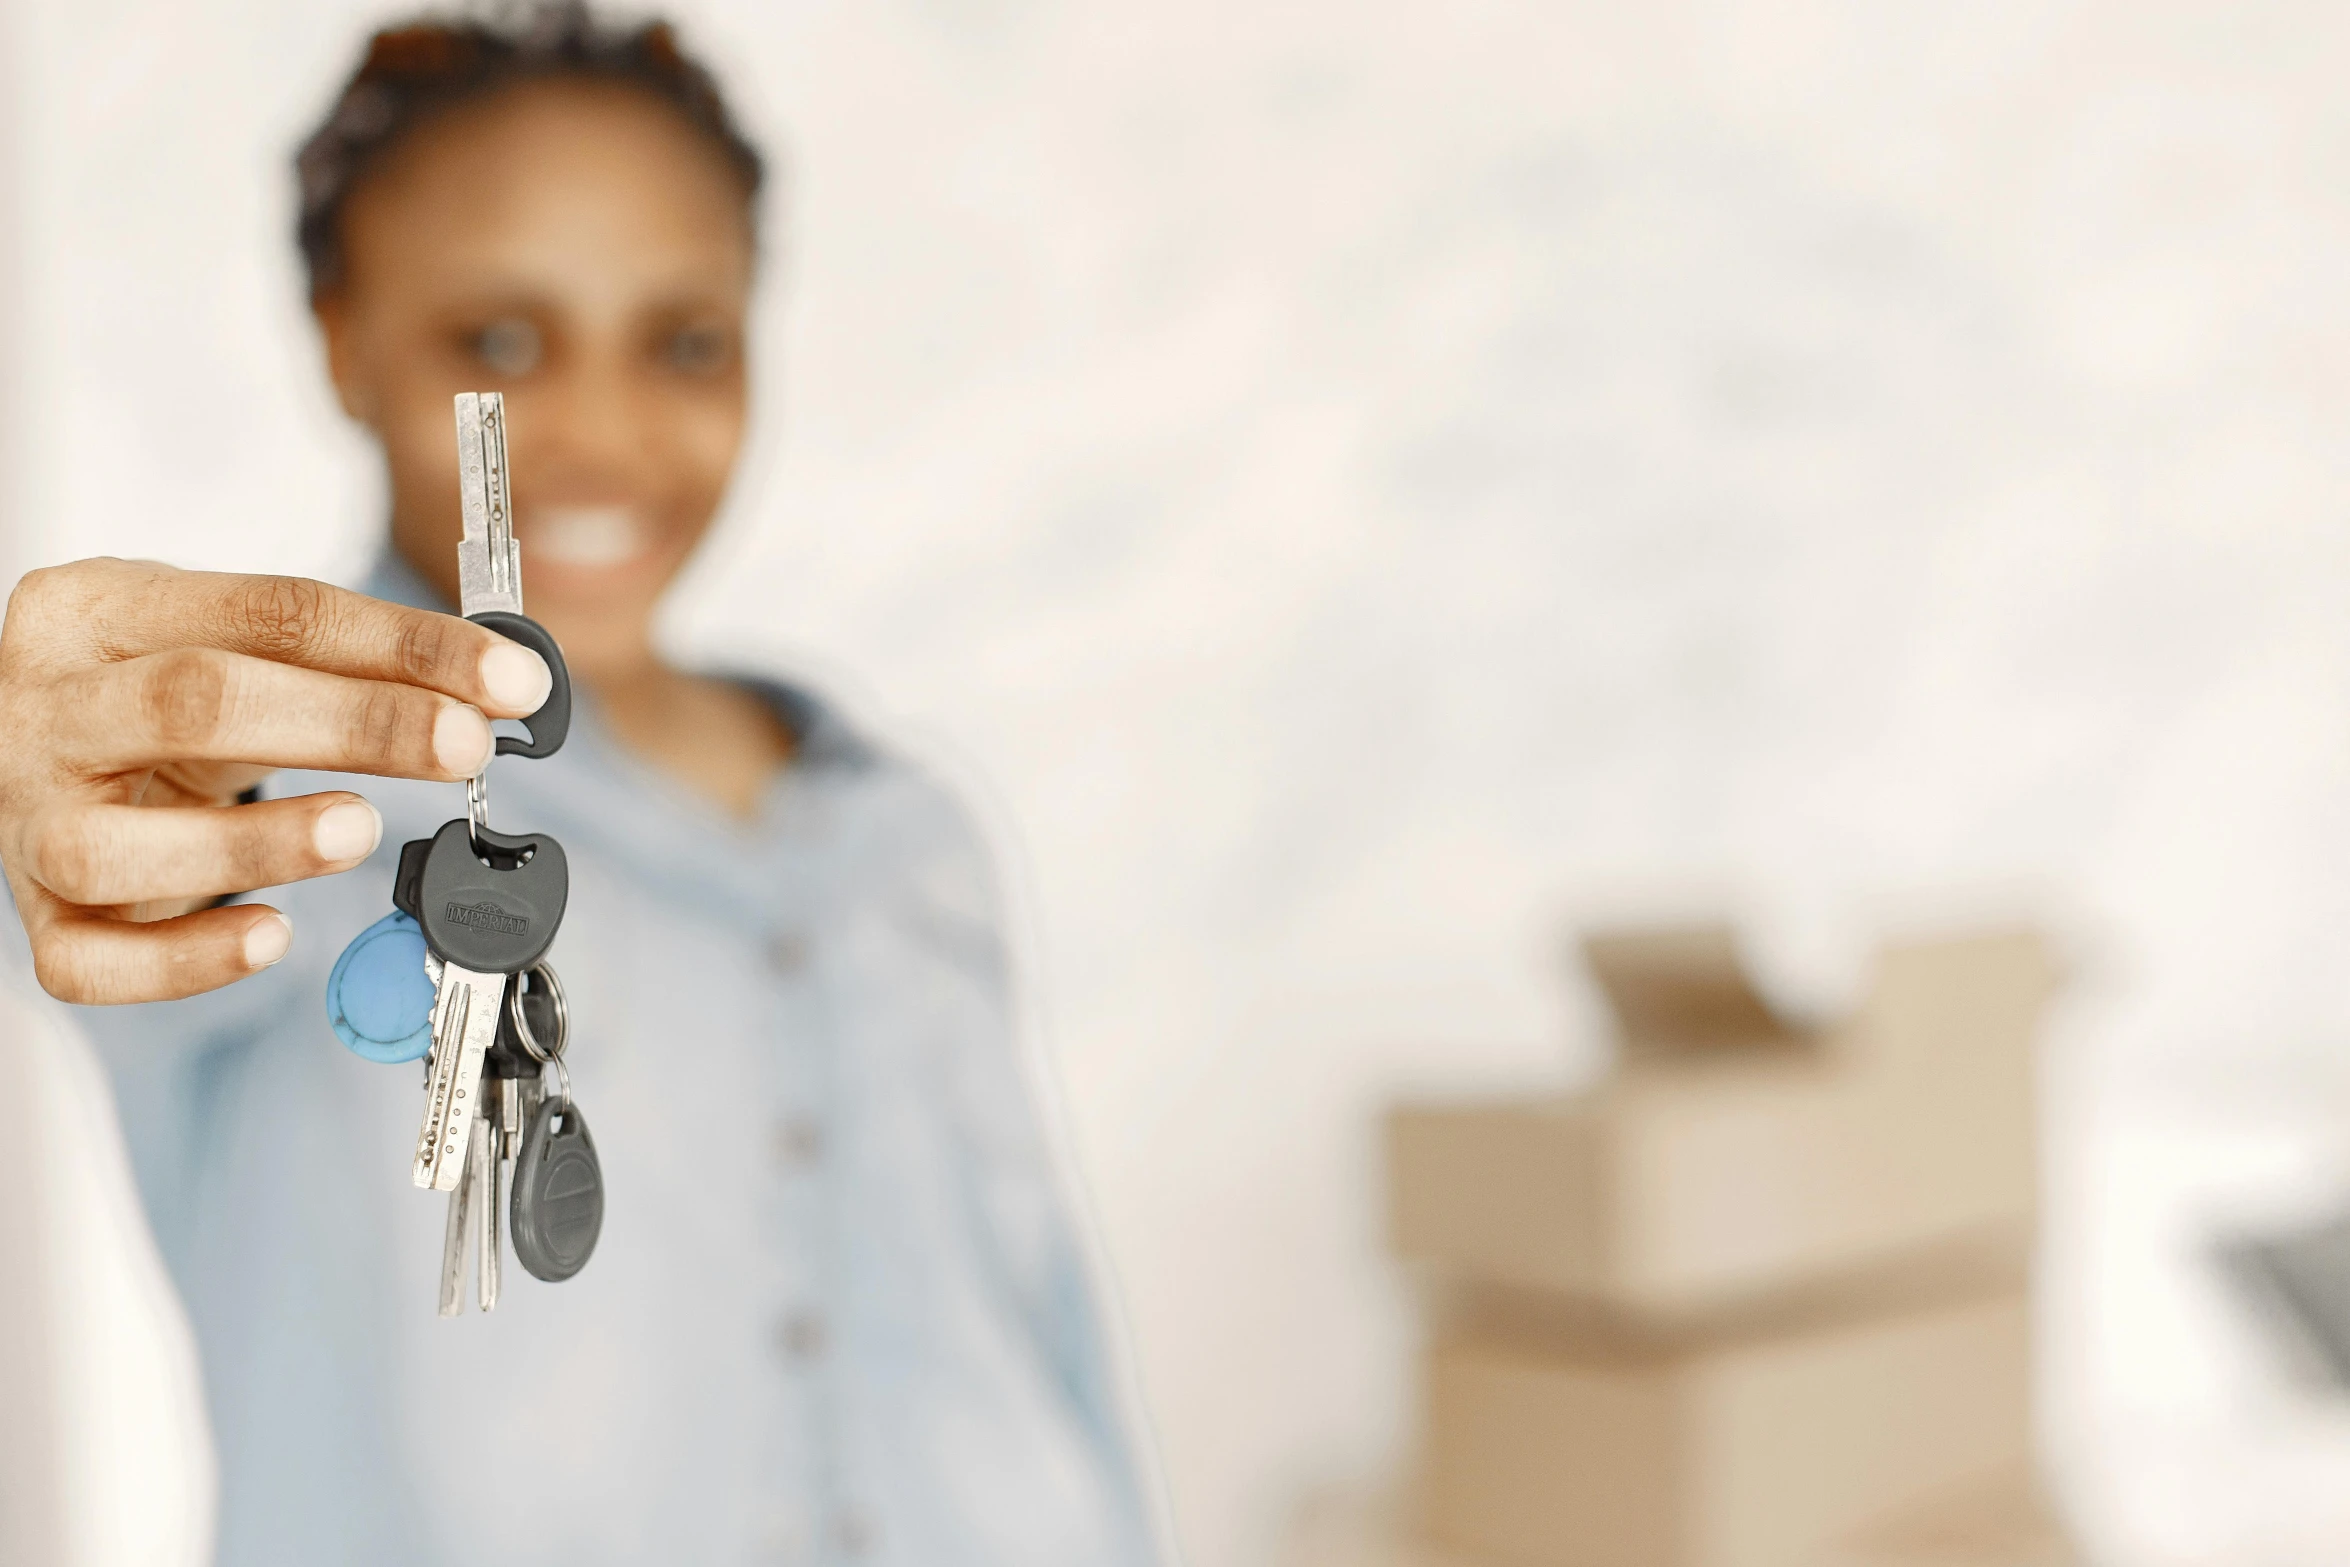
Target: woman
(838,1310)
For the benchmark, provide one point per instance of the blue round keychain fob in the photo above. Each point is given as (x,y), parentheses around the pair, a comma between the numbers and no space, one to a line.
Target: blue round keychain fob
(379,998)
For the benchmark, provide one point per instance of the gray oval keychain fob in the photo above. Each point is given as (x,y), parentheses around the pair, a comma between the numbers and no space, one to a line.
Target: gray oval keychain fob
(558,1193)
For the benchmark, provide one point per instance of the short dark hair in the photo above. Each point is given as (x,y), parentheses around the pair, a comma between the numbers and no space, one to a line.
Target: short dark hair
(423,67)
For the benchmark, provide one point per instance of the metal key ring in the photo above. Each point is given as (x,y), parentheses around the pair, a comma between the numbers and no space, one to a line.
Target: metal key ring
(477,811)
(545,974)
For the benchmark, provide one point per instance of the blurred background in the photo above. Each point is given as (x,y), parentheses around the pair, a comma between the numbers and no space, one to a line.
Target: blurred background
(1365,491)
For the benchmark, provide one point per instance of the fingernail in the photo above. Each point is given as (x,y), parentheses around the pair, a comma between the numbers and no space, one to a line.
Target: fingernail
(349,831)
(461,740)
(268,940)
(516,677)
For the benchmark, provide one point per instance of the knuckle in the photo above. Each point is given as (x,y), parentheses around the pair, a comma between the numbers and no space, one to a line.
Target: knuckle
(278,617)
(36,590)
(421,646)
(79,600)
(185,698)
(253,857)
(383,722)
(67,858)
(35,604)
(58,965)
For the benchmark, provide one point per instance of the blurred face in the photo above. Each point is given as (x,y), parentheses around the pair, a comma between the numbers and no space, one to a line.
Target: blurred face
(581,249)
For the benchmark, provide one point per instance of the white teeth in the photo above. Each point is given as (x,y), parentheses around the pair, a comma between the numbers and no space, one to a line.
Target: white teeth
(583,535)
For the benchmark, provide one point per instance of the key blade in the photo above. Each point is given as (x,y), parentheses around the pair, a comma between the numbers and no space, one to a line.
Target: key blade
(489,562)
(450,1004)
(453,1249)
(465,1023)
(481,1175)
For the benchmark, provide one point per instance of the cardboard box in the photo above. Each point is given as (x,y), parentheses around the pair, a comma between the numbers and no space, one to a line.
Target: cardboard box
(1731,1153)
(1710,1446)
(2003,1521)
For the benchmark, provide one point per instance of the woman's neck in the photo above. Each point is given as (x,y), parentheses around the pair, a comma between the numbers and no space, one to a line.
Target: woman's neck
(717,739)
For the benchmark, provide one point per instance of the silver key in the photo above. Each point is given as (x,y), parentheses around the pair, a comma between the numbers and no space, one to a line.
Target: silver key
(464,1024)
(508,1142)
(473,1222)
(482,1175)
(473,1122)
(453,1244)
(489,562)
(489,576)
(475,1205)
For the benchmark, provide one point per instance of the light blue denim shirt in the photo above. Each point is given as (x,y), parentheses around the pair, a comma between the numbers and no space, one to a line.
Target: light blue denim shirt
(839,1311)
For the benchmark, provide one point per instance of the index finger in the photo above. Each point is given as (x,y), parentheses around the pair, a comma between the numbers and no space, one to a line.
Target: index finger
(119,609)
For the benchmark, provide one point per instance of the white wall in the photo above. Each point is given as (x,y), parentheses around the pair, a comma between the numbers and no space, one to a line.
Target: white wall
(1369,484)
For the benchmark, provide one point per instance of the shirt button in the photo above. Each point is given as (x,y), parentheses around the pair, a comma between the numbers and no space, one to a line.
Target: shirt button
(799,1142)
(801,1335)
(787,953)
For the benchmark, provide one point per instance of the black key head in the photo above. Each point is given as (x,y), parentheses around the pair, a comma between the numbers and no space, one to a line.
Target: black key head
(558,1208)
(552,721)
(494,916)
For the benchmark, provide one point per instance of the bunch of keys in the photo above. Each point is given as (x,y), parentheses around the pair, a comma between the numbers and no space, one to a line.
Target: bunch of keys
(484,907)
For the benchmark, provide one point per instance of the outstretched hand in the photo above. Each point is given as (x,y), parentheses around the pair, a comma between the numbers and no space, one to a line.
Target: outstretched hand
(138,701)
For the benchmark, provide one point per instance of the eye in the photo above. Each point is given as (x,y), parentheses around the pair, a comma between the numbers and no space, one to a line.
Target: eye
(698,350)
(508,346)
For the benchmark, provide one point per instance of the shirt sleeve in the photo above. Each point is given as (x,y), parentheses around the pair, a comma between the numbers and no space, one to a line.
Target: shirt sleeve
(164,1063)
(1025,1191)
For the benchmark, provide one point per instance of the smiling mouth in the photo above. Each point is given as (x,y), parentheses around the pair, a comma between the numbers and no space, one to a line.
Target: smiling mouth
(585,536)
